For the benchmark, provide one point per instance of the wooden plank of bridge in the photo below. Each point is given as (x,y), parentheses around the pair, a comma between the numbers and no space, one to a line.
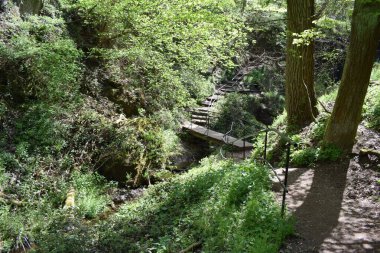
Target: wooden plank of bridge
(210,135)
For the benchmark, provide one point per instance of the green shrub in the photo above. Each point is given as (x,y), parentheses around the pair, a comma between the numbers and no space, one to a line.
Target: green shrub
(46,68)
(91,193)
(304,157)
(329,153)
(319,127)
(329,96)
(276,145)
(255,76)
(136,46)
(310,155)
(235,115)
(275,101)
(375,75)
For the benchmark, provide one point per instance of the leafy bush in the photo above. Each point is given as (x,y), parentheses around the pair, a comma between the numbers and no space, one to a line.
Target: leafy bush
(32,209)
(329,153)
(39,62)
(318,128)
(161,47)
(304,157)
(375,75)
(235,113)
(91,194)
(310,155)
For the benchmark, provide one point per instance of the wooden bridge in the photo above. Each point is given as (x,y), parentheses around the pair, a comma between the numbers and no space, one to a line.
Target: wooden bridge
(216,137)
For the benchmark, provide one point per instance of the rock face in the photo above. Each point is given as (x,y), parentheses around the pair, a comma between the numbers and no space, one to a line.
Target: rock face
(32,7)
(120,170)
(192,151)
(3,5)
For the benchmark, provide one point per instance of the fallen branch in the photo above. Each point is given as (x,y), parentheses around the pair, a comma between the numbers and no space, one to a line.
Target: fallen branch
(324,107)
(191,247)
(364,152)
(10,199)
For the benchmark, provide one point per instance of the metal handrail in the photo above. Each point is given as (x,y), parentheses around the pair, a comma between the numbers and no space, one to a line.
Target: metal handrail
(227,133)
(289,144)
(274,172)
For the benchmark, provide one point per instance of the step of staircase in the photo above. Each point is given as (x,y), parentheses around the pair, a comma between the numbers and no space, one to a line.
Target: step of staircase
(208,103)
(245,90)
(202,117)
(205,109)
(200,113)
(215,97)
(199,122)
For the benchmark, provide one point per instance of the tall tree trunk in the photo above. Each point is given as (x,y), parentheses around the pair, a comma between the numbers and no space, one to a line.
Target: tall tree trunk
(300,96)
(365,34)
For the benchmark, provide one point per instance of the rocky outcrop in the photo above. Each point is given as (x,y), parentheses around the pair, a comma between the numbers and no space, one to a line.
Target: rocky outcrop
(118,93)
(32,7)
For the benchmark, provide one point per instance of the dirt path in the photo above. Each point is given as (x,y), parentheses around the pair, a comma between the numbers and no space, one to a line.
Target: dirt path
(337,206)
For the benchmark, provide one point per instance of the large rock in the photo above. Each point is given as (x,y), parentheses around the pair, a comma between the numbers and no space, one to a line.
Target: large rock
(120,169)
(3,5)
(31,7)
(118,93)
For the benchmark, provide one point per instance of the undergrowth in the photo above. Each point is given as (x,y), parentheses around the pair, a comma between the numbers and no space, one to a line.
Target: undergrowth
(224,206)
(32,212)
(310,147)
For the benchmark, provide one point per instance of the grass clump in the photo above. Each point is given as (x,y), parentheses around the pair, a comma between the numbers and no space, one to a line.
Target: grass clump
(225,207)
(92,198)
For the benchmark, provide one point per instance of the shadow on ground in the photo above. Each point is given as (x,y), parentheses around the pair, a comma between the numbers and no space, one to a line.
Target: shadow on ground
(319,213)
(336,208)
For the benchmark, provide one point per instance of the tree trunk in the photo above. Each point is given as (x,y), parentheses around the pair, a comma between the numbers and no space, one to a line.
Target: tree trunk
(365,34)
(300,96)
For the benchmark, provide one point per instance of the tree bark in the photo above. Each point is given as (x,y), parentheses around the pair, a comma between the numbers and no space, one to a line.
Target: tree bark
(301,104)
(365,34)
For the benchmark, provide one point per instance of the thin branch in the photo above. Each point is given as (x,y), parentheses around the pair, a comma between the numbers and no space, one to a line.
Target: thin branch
(319,13)
(324,107)
(270,21)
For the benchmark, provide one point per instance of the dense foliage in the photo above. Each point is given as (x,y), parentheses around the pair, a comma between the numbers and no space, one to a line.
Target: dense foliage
(72,76)
(159,51)
(91,96)
(98,86)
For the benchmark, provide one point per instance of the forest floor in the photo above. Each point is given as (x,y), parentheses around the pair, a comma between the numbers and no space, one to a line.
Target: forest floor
(337,206)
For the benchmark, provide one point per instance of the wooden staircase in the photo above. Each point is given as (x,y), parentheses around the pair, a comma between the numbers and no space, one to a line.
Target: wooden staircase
(201,116)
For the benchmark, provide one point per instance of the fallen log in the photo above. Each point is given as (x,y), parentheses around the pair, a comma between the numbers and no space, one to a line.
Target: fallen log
(191,247)
(10,199)
(364,152)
